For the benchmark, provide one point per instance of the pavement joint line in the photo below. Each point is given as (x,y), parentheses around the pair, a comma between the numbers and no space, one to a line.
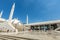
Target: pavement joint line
(8,36)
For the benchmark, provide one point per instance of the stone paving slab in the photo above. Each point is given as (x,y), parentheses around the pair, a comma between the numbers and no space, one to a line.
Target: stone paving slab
(41,36)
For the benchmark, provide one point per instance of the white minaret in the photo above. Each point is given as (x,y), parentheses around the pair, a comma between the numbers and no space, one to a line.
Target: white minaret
(12,11)
(1,13)
(27,20)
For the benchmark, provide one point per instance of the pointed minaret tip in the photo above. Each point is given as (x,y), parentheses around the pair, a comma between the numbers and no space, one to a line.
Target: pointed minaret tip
(12,11)
(27,19)
(14,4)
(1,13)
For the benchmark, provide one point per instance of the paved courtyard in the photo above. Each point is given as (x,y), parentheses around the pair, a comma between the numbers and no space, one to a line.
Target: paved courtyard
(34,35)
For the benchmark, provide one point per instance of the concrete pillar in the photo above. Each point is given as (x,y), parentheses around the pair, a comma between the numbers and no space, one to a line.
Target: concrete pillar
(39,27)
(50,26)
(44,28)
(34,28)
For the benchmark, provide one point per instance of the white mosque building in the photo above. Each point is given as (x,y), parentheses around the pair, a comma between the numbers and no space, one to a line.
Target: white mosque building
(14,25)
(10,25)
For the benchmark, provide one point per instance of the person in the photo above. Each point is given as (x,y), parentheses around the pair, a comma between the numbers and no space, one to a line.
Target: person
(7,30)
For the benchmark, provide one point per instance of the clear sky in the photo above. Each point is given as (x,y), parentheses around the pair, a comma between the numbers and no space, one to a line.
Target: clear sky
(37,10)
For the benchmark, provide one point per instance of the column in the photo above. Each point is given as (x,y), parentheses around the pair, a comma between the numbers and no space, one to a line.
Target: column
(49,26)
(44,28)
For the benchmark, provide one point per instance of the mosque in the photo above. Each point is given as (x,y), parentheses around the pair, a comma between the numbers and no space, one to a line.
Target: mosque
(14,25)
(10,25)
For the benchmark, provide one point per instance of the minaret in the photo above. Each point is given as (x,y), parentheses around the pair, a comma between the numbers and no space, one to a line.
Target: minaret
(11,13)
(1,13)
(27,20)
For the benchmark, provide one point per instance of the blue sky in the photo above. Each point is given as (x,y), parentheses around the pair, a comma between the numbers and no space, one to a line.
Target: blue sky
(38,10)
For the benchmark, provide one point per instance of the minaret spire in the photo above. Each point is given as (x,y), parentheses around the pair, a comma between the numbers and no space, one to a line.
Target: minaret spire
(1,13)
(12,11)
(27,19)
